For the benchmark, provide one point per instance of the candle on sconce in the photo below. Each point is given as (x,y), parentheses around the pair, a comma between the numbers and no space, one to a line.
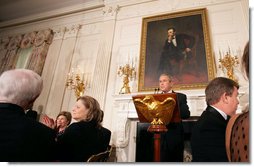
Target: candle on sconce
(135,61)
(89,79)
(78,70)
(229,51)
(85,76)
(239,51)
(128,58)
(82,77)
(68,76)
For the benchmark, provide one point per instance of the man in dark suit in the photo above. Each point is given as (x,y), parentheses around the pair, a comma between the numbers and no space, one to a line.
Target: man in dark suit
(176,51)
(22,139)
(172,142)
(208,135)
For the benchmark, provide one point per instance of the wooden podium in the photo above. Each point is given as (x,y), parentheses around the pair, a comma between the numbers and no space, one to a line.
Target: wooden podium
(158,110)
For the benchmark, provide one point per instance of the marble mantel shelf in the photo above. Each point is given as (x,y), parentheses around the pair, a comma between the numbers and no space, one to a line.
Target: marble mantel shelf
(125,105)
(196,102)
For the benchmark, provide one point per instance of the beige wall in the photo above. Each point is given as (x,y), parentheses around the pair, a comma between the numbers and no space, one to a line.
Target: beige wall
(100,39)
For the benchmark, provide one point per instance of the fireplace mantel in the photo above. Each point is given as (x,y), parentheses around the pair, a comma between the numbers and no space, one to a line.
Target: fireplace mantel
(124,103)
(126,118)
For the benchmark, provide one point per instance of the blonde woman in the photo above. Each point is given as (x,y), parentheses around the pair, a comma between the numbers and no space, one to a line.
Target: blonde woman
(86,136)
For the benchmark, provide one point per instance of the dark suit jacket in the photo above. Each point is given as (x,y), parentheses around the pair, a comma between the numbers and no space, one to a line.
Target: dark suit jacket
(172,143)
(81,140)
(182,104)
(32,114)
(23,139)
(208,137)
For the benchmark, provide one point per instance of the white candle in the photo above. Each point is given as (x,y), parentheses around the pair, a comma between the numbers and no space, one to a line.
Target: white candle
(128,58)
(88,80)
(82,77)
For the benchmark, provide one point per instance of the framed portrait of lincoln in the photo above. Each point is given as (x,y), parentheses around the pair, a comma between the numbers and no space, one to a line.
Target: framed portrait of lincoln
(177,44)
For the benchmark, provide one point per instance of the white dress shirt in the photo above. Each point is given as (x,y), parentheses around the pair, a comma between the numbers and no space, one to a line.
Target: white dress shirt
(221,113)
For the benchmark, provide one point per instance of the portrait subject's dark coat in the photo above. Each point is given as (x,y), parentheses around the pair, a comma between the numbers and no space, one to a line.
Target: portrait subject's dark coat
(172,54)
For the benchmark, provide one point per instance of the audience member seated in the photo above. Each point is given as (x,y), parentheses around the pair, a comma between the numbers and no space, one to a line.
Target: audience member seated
(208,134)
(237,132)
(46,120)
(63,119)
(22,139)
(85,137)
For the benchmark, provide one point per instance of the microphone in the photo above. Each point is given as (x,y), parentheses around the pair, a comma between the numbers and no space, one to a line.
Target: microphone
(156,90)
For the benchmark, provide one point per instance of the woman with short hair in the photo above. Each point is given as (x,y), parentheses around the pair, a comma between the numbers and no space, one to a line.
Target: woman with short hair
(63,119)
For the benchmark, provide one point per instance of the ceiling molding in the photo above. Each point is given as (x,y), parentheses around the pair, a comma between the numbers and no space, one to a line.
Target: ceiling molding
(52,14)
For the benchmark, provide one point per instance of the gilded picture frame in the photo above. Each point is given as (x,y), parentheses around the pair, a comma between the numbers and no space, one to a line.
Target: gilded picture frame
(194,70)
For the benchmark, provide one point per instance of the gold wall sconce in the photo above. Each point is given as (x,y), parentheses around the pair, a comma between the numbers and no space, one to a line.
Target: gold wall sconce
(228,62)
(75,81)
(128,72)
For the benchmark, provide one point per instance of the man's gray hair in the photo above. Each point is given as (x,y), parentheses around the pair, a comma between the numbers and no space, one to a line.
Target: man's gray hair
(20,86)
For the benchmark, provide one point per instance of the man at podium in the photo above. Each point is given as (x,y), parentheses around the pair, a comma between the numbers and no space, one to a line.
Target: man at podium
(172,142)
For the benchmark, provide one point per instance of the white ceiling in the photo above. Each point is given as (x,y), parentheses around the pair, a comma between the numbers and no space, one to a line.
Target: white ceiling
(14,9)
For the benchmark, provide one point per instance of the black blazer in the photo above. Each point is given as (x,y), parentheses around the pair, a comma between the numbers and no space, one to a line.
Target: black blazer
(183,106)
(81,140)
(208,137)
(23,139)
(172,143)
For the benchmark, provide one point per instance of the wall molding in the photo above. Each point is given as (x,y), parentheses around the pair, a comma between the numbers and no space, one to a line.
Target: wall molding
(52,14)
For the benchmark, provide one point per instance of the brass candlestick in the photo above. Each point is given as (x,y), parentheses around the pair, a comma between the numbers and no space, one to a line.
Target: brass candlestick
(127,72)
(75,80)
(228,62)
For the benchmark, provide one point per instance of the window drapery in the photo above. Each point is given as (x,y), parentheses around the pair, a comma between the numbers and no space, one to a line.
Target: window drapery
(25,51)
